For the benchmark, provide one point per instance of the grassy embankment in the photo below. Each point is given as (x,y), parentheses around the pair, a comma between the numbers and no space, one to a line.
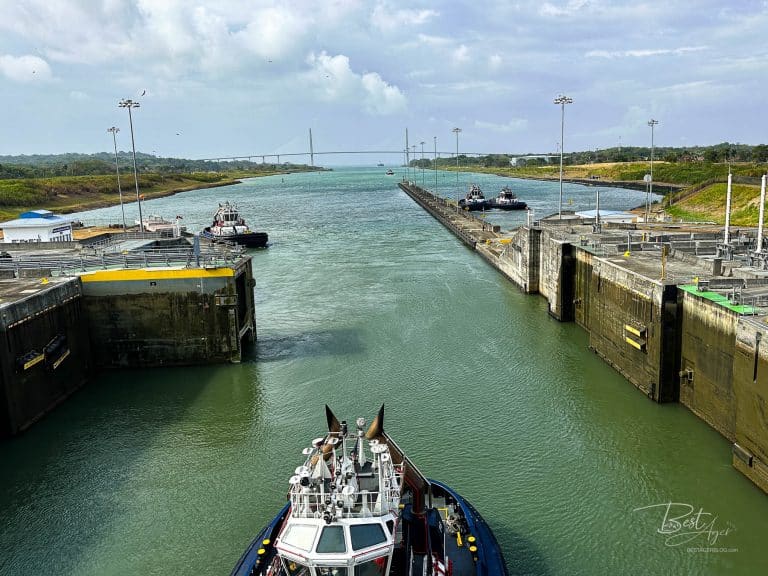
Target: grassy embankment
(74,193)
(686,174)
(690,204)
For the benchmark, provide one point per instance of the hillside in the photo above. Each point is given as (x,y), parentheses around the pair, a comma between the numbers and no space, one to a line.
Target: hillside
(65,194)
(708,205)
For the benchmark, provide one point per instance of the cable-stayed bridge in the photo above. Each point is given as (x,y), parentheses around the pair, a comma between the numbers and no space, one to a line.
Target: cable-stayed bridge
(408,153)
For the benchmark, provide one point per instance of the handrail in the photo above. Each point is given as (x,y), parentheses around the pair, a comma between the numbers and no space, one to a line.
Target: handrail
(85,261)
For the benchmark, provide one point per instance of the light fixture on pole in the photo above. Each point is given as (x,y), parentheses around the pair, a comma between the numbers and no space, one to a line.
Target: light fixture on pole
(114,131)
(458,191)
(422,164)
(127,103)
(651,123)
(562,100)
(434,138)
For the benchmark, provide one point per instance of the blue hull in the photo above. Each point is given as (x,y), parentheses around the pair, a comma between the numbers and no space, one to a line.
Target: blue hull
(488,560)
(251,562)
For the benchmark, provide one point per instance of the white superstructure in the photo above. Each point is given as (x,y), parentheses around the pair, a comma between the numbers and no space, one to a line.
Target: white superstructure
(345,502)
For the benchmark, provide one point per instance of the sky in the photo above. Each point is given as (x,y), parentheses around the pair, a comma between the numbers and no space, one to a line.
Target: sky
(222,78)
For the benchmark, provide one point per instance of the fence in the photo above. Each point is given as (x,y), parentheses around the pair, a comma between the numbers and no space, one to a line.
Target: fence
(214,256)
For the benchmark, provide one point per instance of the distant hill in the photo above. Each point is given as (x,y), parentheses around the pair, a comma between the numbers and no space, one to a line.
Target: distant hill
(71,164)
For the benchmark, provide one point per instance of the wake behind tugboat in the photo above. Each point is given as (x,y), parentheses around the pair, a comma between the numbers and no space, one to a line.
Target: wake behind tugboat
(359,507)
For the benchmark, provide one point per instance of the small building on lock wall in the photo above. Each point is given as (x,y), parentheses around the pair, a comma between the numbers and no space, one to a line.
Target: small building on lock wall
(37,226)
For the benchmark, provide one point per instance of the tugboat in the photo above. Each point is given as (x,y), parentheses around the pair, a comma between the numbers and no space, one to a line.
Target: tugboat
(507,200)
(474,200)
(359,507)
(228,226)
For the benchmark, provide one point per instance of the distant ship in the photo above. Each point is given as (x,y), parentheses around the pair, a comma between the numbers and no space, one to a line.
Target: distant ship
(380,164)
(359,507)
(228,226)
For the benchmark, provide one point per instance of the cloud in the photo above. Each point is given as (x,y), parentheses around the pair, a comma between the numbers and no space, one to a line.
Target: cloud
(273,31)
(24,69)
(72,30)
(334,80)
(461,55)
(643,53)
(515,125)
(495,61)
(567,9)
(380,97)
(429,40)
(386,18)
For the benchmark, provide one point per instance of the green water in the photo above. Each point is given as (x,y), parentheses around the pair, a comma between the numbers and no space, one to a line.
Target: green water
(362,298)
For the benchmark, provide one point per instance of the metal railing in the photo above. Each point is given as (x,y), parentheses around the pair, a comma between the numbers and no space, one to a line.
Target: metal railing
(92,260)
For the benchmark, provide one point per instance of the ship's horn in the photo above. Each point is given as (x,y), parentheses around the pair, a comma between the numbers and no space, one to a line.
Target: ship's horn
(377,426)
(333,422)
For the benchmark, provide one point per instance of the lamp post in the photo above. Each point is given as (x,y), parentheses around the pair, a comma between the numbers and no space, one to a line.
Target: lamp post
(458,192)
(127,103)
(562,100)
(434,166)
(651,123)
(114,131)
(422,165)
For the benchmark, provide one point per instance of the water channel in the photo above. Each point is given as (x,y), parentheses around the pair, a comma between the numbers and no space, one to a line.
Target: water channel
(363,298)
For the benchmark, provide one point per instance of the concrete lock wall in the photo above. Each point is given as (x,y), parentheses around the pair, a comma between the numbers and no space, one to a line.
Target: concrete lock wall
(169,317)
(519,259)
(750,393)
(556,276)
(44,354)
(707,361)
(632,323)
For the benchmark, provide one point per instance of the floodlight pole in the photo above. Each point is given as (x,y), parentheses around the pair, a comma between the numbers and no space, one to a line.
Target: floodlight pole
(562,100)
(434,167)
(114,131)
(127,103)
(458,191)
(651,123)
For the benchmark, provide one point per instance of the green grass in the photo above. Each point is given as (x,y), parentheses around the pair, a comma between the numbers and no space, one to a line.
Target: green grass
(73,193)
(684,173)
(708,205)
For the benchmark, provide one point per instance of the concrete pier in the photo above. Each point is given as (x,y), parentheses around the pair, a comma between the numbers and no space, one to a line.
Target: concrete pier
(681,316)
(169,316)
(44,348)
(139,303)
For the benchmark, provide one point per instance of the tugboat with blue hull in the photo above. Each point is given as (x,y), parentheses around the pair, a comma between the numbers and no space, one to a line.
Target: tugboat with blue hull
(358,506)
(474,200)
(507,200)
(229,226)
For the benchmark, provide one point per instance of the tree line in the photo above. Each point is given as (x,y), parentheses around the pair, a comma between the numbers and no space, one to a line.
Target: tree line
(102,163)
(723,152)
